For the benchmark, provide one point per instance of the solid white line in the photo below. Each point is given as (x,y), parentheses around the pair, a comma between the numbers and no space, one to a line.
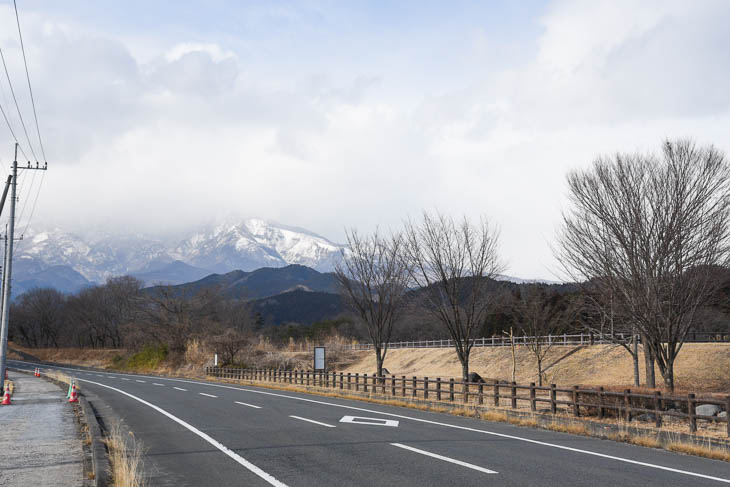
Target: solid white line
(313,421)
(464,428)
(249,405)
(446,459)
(209,395)
(139,381)
(180,389)
(250,466)
(156,384)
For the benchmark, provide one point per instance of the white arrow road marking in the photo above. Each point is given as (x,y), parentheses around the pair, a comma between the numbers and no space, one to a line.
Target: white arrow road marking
(209,395)
(371,421)
(250,466)
(445,459)
(313,421)
(180,389)
(249,405)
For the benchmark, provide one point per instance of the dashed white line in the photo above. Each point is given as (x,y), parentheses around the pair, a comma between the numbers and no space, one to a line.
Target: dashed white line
(446,459)
(124,378)
(209,395)
(249,405)
(137,380)
(313,421)
(99,375)
(250,466)
(180,389)
(156,384)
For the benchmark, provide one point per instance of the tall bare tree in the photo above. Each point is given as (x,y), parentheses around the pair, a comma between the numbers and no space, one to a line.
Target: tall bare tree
(653,231)
(373,278)
(453,262)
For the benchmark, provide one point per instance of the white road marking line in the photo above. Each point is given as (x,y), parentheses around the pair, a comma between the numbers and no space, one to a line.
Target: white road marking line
(180,389)
(124,378)
(137,380)
(370,421)
(446,459)
(249,405)
(250,466)
(447,425)
(313,421)
(99,375)
(209,395)
(156,384)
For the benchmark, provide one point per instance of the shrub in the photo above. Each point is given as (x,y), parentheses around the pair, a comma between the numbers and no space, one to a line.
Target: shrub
(149,358)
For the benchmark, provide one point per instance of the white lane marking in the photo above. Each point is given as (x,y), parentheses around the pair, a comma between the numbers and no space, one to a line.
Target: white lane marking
(180,389)
(139,381)
(313,421)
(447,425)
(124,378)
(209,395)
(249,405)
(250,466)
(445,459)
(99,375)
(156,384)
(111,376)
(371,421)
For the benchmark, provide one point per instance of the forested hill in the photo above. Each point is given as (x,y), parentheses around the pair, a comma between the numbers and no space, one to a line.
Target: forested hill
(261,283)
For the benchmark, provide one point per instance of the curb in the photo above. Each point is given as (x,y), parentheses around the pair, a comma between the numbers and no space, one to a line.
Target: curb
(99,458)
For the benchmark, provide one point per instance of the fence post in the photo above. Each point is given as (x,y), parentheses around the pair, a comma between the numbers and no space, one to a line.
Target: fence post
(451,389)
(415,386)
(438,388)
(553,398)
(465,397)
(627,403)
(392,384)
(425,387)
(307,377)
(514,395)
(342,385)
(403,385)
(691,412)
(533,406)
(357,381)
(481,393)
(349,381)
(576,407)
(657,408)
(496,392)
(600,403)
(365,382)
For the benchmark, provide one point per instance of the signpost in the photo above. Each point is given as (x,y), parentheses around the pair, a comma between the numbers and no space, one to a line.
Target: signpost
(319,359)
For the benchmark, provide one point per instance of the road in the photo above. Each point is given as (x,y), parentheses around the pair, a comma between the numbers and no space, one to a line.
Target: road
(204,433)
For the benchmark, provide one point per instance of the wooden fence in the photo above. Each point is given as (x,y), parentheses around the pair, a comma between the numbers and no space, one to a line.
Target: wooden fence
(599,402)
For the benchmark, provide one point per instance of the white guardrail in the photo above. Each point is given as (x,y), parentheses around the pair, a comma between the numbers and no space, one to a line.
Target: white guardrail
(564,339)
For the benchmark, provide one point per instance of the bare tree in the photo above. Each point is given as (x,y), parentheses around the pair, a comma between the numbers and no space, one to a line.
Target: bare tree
(373,278)
(653,232)
(540,314)
(453,262)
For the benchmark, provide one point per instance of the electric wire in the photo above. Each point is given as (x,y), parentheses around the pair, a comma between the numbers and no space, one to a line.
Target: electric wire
(30,89)
(17,107)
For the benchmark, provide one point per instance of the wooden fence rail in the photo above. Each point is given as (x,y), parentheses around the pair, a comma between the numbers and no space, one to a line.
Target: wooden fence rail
(580,402)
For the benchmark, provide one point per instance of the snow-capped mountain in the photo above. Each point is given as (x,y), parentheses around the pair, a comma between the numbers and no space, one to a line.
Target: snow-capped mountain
(247,245)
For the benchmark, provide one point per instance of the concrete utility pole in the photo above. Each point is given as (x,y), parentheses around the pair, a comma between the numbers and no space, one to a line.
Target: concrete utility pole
(6,273)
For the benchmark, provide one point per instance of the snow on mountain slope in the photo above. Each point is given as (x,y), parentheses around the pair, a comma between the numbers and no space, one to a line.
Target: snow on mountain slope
(249,244)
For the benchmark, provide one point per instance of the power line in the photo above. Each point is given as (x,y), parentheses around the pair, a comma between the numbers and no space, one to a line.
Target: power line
(27,76)
(12,132)
(17,107)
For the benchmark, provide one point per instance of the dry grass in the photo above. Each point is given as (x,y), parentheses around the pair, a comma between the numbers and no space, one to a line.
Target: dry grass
(92,357)
(700,367)
(125,455)
(8,385)
(699,450)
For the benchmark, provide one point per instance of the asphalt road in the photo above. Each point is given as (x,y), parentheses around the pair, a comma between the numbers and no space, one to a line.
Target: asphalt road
(202,433)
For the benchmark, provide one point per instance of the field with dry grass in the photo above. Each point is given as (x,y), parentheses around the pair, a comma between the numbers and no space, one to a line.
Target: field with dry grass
(700,367)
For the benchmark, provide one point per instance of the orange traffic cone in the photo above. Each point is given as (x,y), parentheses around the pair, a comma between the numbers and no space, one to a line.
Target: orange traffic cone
(35,372)
(39,372)
(74,397)
(6,398)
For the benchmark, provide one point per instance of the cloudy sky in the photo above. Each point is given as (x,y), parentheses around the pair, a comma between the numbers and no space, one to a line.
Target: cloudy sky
(158,116)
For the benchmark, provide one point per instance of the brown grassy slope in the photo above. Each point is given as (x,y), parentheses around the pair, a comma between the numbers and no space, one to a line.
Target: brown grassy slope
(701,367)
(91,357)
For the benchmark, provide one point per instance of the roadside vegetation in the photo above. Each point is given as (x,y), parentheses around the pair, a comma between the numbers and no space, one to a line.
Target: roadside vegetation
(125,456)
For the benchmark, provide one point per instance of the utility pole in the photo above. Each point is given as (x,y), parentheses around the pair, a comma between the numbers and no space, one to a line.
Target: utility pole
(7,268)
